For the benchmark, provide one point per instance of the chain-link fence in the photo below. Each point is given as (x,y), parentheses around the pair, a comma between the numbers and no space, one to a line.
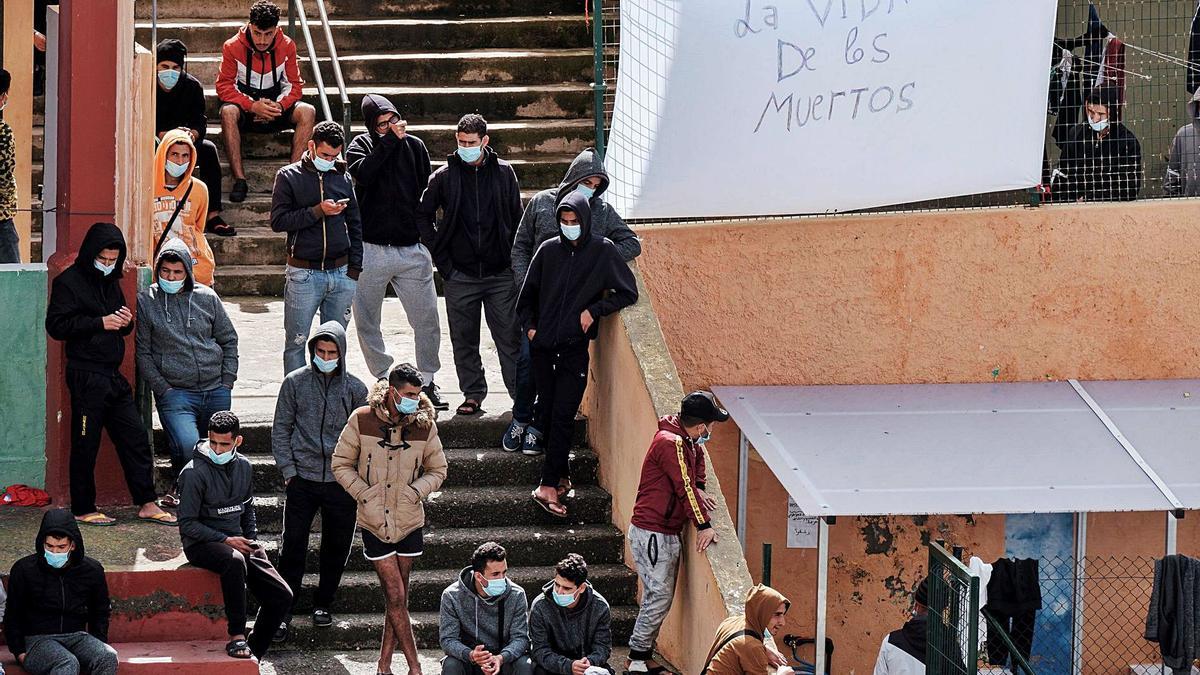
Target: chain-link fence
(1134,54)
(953,615)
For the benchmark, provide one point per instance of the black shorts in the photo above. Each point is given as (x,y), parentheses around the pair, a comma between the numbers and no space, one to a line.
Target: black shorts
(247,125)
(409,547)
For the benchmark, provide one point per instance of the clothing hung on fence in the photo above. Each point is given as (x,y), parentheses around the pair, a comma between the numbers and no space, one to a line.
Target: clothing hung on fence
(1014,597)
(984,572)
(1193,72)
(1173,618)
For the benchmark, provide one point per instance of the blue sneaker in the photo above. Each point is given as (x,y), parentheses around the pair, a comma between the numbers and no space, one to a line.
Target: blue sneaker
(533,444)
(514,436)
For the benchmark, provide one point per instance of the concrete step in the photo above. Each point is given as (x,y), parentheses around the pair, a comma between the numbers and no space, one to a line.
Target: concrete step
(452,547)
(467,468)
(164,658)
(225,9)
(479,507)
(359,592)
(287,660)
(474,66)
(366,33)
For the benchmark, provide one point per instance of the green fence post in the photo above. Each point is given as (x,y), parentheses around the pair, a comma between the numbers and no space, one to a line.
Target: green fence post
(598,87)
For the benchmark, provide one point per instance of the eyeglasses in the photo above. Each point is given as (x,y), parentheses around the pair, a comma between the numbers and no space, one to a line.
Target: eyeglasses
(382,126)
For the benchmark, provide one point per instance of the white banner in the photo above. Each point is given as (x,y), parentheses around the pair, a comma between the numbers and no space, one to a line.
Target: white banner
(745,107)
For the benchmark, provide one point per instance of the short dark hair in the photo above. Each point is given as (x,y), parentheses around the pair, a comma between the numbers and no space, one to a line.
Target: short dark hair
(573,568)
(264,14)
(330,133)
(5,81)
(473,123)
(689,421)
(487,552)
(1105,95)
(171,257)
(405,373)
(328,338)
(224,422)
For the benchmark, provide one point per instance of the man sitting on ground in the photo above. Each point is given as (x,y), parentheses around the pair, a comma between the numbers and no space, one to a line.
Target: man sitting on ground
(56,621)
(484,619)
(260,88)
(740,648)
(569,623)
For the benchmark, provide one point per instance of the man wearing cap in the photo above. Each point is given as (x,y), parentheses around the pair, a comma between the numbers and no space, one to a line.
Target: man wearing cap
(903,650)
(670,494)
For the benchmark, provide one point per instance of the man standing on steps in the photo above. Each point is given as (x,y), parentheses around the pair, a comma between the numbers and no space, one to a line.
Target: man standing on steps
(314,403)
(670,494)
(484,621)
(389,458)
(540,223)
(260,88)
(218,528)
(391,168)
(313,202)
(480,201)
(87,311)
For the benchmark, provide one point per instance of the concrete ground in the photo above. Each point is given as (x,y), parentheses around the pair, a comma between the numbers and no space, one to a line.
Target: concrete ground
(364,662)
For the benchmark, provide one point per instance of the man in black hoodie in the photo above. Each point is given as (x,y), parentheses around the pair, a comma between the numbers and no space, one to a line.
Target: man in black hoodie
(391,168)
(573,280)
(180,105)
(58,608)
(1102,159)
(218,528)
(87,311)
(570,623)
(480,201)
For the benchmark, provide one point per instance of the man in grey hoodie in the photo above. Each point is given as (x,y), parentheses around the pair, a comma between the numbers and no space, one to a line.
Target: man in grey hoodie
(1183,165)
(539,223)
(314,403)
(187,351)
(484,621)
(570,624)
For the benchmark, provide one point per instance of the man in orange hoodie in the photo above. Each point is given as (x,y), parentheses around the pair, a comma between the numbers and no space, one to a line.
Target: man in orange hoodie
(739,648)
(181,203)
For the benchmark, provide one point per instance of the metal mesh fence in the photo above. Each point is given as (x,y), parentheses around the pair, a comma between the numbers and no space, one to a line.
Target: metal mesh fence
(1138,53)
(953,615)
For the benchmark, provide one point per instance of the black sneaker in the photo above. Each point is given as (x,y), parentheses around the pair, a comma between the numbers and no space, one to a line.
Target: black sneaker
(322,618)
(217,225)
(281,633)
(240,188)
(433,392)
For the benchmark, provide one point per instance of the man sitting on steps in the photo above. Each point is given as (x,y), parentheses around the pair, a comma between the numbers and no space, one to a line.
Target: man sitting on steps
(260,88)
(570,623)
(484,620)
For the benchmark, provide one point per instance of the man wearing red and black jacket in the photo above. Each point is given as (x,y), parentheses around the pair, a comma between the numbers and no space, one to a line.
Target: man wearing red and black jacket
(260,88)
(670,494)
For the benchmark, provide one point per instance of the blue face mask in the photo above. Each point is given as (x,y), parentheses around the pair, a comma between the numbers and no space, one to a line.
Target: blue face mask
(169,78)
(323,165)
(323,365)
(495,587)
(704,437)
(585,191)
(221,459)
(571,232)
(1099,127)
(176,170)
(408,406)
(171,287)
(104,269)
(56,560)
(563,600)
(470,155)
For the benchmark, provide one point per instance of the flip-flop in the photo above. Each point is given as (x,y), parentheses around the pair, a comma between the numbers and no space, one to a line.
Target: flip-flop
(564,488)
(234,646)
(97,520)
(548,506)
(163,518)
(468,407)
(168,501)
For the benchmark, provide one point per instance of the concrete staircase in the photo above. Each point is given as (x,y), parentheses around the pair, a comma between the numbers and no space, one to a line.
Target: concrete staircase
(485,497)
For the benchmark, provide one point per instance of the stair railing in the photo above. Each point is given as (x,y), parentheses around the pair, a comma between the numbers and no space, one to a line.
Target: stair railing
(296,10)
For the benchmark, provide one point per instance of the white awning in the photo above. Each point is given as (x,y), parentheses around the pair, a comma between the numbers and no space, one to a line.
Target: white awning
(1038,447)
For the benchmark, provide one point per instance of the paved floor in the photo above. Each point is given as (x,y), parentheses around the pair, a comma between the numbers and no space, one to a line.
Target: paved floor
(364,662)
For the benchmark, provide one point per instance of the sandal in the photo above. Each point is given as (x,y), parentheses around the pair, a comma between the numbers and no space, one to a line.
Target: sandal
(237,649)
(469,407)
(553,508)
(163,518)
(217,225)
(97,520)
(239,191)
(564,487)
(168,501)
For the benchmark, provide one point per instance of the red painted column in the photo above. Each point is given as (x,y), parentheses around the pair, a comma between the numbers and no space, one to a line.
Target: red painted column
(87,52)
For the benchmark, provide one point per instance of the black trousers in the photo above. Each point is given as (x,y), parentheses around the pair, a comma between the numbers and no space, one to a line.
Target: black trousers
(560,374)
(208,170)
(105,401)
(240,573)
(338,514)
(1020,628)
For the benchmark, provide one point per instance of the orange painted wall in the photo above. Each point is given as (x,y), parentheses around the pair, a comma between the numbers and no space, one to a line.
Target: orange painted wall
(1097,291)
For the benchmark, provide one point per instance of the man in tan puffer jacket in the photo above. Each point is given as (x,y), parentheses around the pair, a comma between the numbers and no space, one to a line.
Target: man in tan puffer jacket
(389,458)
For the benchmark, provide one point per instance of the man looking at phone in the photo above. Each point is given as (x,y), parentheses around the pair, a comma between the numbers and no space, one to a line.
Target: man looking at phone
(313,202)
(218,527)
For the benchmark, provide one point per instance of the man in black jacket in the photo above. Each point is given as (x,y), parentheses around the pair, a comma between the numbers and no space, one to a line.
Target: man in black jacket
(58,608)
(313,202)
(218,528)
(480,201)
(87,311)
(180,105)
(391,168)
(573,280)
(1102,159)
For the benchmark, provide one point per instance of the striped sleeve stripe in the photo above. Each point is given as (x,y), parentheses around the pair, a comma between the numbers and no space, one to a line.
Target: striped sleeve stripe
(687,481)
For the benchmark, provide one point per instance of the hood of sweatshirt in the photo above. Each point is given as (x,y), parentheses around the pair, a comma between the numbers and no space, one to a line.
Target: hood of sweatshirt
(1193,108)
(761,605)
(374,106)
(59,522)
(199,454)
(330,330)
(99,237)
(586,163)
(172,137)
(579,204)
(180,249)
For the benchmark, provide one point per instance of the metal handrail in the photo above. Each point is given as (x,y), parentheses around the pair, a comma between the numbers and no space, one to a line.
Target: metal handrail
(296,10)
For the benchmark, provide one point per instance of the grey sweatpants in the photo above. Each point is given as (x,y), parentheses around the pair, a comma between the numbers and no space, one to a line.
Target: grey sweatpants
(409,271)
(69,654)
(656,557)
(496,296)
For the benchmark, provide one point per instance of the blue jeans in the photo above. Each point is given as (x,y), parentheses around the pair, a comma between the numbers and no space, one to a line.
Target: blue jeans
(184,415)
(306,291)
(8,248)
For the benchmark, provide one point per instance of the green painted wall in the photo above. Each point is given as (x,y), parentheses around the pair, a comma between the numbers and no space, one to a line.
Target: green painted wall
(23,379)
